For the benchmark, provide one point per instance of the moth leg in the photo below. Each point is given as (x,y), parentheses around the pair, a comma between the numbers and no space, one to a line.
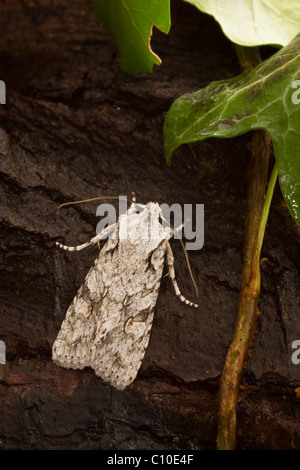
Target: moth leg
(170,260)
(93,240)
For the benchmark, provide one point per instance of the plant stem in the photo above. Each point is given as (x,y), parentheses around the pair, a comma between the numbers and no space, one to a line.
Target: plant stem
(246,321)
(264,216)
(257,213)
(248,57)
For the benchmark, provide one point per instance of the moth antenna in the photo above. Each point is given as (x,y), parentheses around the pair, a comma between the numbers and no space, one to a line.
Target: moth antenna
(87,200)
(189,267)
(93,199)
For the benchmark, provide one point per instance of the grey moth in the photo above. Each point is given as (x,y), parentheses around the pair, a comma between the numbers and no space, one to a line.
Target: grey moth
(108,324)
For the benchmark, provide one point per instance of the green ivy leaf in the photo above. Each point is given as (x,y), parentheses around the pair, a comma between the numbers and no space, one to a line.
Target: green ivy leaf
(253,23)
(267,97)
(130,23)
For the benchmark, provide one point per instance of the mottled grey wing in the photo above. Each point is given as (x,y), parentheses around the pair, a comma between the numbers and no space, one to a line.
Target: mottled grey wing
(126,313)
(108,324)
(72,347)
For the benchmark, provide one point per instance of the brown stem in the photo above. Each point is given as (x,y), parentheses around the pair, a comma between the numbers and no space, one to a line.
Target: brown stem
(250,286)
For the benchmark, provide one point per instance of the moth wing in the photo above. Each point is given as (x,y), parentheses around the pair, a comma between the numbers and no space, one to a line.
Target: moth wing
(108,324)
(126,317)
(72,347)
(117,357)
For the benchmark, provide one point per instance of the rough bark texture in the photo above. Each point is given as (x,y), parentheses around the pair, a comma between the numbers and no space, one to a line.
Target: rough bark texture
(75,127)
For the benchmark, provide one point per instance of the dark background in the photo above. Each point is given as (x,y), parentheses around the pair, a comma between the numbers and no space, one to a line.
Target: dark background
(74,127)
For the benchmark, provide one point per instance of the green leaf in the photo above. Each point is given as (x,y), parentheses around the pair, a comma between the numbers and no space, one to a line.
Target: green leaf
(267,97)
(255,22)
(130,23)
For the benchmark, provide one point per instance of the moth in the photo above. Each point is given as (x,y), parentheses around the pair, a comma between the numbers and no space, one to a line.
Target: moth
(108,323)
